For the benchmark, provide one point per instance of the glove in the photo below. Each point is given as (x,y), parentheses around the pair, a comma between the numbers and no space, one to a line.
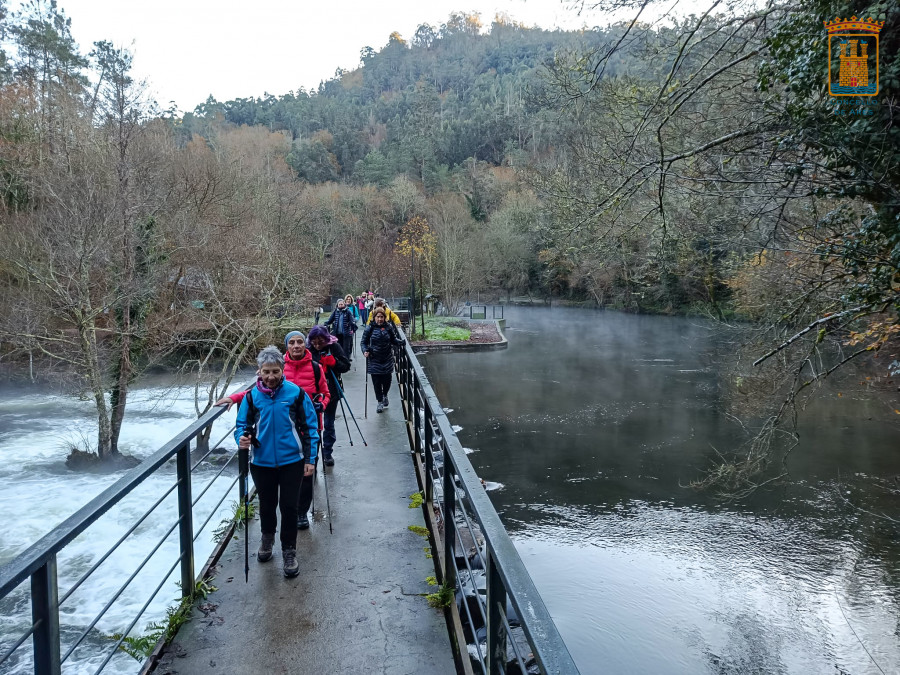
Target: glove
(319,407)
(328,360)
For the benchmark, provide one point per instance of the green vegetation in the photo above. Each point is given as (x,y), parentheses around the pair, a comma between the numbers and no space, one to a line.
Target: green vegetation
(443,597)
(443,328)
(416,499)
(419,530)
(237,519)
(431,581)
(141,646)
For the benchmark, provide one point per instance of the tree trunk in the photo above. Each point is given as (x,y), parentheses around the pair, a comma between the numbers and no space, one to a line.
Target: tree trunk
(202,441)
(88,334)
(119,393)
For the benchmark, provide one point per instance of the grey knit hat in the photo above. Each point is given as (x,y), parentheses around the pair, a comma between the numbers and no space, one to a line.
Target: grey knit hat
(293,333)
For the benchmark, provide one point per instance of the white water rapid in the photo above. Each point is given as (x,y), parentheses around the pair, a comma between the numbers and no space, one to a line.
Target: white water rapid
(39,492)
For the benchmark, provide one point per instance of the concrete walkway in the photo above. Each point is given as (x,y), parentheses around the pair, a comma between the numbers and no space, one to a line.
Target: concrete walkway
(357,606)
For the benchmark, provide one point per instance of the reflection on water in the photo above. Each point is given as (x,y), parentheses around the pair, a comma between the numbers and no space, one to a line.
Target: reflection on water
(595,421)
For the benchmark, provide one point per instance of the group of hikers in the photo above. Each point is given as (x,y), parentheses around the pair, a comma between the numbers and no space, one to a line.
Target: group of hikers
(289,414)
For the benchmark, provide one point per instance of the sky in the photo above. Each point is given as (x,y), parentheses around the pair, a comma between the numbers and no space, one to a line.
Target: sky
(188,49)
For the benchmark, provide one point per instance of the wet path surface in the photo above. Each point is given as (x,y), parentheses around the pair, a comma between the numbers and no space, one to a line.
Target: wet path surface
(357,605)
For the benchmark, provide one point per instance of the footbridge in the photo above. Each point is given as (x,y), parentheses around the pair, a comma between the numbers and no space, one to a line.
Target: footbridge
(406,567)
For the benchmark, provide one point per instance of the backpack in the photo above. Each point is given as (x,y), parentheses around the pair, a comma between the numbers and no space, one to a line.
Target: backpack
(317,373)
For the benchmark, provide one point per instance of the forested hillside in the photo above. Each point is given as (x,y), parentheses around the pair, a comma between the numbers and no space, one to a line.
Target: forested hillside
(419,107)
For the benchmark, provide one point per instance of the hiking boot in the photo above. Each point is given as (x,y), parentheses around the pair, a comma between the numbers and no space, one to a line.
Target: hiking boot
(302,522)
(329,461)
(264,554)
(380,407)
(384,401)
(291,566)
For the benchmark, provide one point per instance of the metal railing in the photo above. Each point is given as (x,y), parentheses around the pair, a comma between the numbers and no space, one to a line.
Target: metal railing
(480,312)
(475,554)
(39,562)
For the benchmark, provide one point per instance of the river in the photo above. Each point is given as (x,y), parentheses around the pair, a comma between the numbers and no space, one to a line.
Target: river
(593,424)
(39,492)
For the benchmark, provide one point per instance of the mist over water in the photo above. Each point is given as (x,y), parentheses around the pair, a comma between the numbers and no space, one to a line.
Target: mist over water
(39,492)
(595,423)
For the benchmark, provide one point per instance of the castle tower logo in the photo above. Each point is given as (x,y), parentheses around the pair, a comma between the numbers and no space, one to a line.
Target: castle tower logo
(853,56)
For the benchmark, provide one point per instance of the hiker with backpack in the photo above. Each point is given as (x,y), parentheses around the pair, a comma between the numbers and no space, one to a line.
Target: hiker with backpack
(342,326)
(389,314)
(377,344)
(278,424)
(330,356)
(300,369)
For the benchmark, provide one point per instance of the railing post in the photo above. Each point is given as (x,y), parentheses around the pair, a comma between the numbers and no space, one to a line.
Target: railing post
(45,613)
(186,521)
(496,609)
(449,521)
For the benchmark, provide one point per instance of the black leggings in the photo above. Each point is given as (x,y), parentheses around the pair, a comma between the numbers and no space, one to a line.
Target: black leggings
(305,494)
(279,486)
(346,341)
(381,383)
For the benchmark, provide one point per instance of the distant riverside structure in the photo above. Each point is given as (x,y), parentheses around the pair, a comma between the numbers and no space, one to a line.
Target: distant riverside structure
(854,68)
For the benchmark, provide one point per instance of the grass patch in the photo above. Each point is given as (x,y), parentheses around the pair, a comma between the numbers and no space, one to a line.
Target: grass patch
(419,530)
(445,329)
(442,598)
(415,500)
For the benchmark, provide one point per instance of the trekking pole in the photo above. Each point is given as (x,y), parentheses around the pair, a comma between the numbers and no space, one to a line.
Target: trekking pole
(344,398)
(346,423)
(243,467)
(366,403)
(327,502)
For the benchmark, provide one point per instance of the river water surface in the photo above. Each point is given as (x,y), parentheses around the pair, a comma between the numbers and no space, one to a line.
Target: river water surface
(39,492)
(594,422)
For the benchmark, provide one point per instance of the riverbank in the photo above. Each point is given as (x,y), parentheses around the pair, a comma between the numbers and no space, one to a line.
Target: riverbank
(480,333)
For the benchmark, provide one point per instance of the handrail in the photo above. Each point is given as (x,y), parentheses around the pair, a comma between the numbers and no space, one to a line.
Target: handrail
(505,573)
(36,555)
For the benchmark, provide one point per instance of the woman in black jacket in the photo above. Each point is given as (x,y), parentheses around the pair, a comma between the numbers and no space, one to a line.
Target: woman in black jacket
(377,345)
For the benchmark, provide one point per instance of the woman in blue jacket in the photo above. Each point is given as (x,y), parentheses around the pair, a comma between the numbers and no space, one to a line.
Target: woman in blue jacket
(278,423)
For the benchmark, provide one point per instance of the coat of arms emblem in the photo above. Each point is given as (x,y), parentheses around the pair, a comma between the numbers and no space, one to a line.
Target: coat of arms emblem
(853,56)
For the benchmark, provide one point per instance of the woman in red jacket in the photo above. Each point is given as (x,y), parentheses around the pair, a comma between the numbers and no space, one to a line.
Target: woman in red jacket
(299,369)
